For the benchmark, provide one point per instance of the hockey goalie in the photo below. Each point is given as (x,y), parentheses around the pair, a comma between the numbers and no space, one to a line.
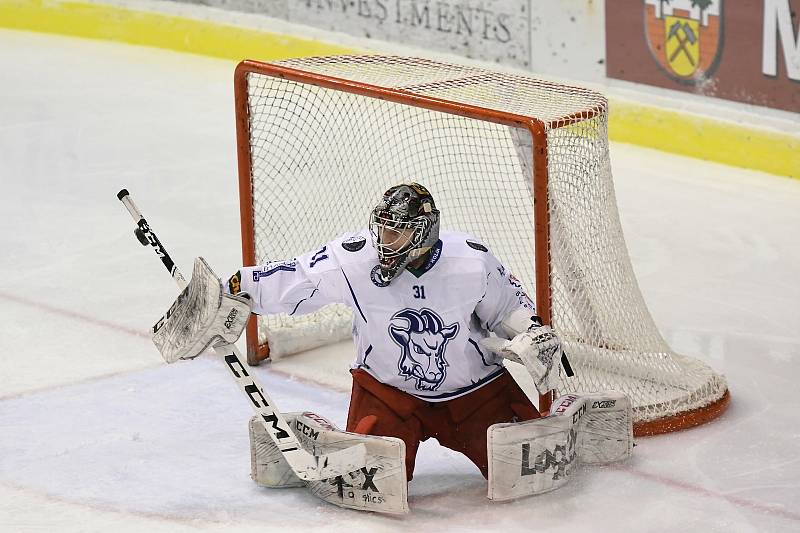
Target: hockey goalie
(435,315)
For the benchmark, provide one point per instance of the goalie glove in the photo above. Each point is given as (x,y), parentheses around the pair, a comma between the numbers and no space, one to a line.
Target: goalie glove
(540,350)
(532,344)
(202,316)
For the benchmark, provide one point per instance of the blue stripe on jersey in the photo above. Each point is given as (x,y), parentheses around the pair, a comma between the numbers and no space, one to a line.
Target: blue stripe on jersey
(319,256)
(475,344)
(303,300)
(354,296)
(366,354)
(257,274)
(463,390)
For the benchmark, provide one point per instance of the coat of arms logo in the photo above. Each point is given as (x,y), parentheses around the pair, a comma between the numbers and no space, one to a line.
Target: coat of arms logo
(685,37)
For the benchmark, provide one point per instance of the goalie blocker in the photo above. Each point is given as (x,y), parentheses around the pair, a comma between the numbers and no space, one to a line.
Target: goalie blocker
(203,316)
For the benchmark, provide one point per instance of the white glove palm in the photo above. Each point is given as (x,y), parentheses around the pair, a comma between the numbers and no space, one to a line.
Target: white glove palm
(540,350)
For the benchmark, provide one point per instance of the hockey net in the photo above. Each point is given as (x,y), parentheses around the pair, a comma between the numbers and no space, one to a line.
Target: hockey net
(521,163)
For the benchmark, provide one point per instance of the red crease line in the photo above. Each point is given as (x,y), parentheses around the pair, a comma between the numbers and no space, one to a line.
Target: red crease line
(73,315)
(735,500)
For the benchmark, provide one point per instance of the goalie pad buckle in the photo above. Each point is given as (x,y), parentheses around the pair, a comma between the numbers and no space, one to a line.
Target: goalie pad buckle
(537,456)
(202,316)
(380,486)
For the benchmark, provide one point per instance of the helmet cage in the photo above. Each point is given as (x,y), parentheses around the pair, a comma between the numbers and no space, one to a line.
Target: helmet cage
(388,230)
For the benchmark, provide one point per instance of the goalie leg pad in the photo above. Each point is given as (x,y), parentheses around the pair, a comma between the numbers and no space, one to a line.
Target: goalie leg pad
(268,467)
(606,425)
(531,457)
(380,486)
(538,456)
(606,433)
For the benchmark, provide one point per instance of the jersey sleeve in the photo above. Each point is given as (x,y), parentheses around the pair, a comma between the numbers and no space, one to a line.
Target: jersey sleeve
(504,294)
(296,287)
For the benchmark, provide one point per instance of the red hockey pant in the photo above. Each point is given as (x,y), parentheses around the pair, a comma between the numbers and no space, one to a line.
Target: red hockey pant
(459,424)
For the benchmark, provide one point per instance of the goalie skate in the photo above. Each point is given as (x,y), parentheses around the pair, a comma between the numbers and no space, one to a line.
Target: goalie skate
(380,486)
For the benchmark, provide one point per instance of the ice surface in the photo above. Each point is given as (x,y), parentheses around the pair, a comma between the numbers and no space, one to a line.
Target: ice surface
(97,434)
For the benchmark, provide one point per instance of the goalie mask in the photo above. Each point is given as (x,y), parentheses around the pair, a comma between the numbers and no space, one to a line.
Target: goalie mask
(404,226)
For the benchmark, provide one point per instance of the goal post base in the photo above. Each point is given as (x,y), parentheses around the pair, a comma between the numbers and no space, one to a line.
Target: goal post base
(681,421)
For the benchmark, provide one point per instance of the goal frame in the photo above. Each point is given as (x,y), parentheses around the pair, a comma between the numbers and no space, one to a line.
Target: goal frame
(537,128)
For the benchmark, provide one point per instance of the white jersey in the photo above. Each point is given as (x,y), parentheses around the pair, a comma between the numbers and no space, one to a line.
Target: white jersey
(419,333)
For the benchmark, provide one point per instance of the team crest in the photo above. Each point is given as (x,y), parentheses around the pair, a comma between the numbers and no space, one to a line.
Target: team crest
(375,276)
(423,338)
(354,244)
(685,37)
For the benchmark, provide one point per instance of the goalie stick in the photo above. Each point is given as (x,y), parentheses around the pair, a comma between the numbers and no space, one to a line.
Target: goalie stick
(307,466)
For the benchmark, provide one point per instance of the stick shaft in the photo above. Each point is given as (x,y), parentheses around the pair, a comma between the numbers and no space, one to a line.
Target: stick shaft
(305,465)
(144,227)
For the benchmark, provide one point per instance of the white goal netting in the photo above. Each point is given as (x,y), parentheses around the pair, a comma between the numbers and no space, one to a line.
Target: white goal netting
(320,157)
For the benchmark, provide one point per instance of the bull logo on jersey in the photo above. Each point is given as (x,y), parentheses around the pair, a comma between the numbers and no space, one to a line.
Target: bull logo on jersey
(423,338)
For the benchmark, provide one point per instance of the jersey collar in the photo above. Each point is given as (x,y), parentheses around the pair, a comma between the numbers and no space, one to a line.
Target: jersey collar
(433,258)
